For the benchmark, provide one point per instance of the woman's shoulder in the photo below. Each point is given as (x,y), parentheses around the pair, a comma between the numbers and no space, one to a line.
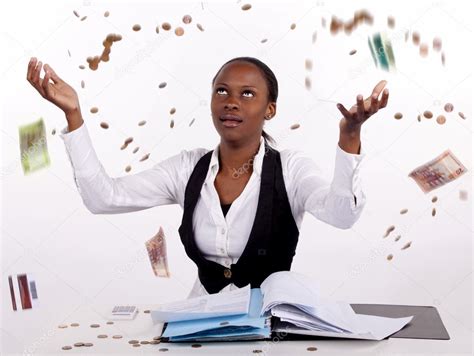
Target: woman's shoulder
(293,161)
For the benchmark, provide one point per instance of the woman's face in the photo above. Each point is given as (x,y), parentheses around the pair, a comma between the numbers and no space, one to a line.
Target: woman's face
(239,102)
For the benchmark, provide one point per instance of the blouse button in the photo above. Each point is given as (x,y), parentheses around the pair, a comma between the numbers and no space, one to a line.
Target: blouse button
(223,231)
(227,273)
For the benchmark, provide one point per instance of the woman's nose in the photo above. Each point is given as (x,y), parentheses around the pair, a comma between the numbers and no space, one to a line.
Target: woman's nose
(231,103)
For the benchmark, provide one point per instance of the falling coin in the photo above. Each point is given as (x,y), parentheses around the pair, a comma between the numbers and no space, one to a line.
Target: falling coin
(448,107)
(166,26)
(437,44)
(62,326)
(79,344)
(418,118)
(136,345)
(66,348)
(106,14)
(155,342)
(172,124)
(433,212)
(83,84)
(246,7)
(196,346)
(179,31)
(75,13)
(187,19)
(443,58)
(294,126)
(128,141)
(133,342)
(434,199)
(264,40)
(85,17)
(403,211)
(192,122)
(163,349)
(398,238)
(117,337)
(389,257)
(94,110)
(135,150)
(199,26)
(82,66)
(162,85)
(312,348)
(307,83)
(415,38)
(391,21)
(128,169)
(157,29)
(104,125)
(441,119)
(463,195)
(293,26)
(172,111)
(308,64)
(428,114)
(461,115)
(102,336)
(398,115)
(95,326)
(352,52)
(146,311)
(257,351)
(407,245)
(88,344)
(136,27)
(144,342)
(74,325)
(157,338)
(424,50)
(110,323)
(314,37)
(389,230)
(141,123)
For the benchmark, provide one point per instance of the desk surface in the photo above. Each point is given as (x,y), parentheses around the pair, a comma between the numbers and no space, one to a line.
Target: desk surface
(44,339)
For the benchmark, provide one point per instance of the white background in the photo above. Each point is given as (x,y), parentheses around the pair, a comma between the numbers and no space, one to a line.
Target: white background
(84,263)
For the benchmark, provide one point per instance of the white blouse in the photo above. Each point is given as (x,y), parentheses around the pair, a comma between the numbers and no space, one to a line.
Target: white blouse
(220,239)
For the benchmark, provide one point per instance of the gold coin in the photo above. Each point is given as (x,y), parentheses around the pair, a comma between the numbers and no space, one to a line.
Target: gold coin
(391,21)
(102,336)
(110,323)
(352,52)
(62,326)
(389,230)
(136,27)
(155,342)
(104,125)
(187,19)
(389,257)
(433,212)
(461,115)
(398,238)
(407,245)
(117,337)
(66,348)
(132,342)
(88,344)
(166,26)
(437,44)
(146,311)
(106,14)
(83,18)
(293,26)
(196,346)
(311,348)
(307,83)
(75,13)
(162,85)
(448,107)
(82,66)
(398,115)
(141,123)
(94,110)
(294,126)
(308,64)
(179,31)
(136,345)
(415,38)
(463,195)
(172,111)
(199,26)
(424,50)
(428,114)
(129,140)
(128,168)
(135,150)
(403,211)
(434,199)
(75,325)
(172,123)
(79,344)
(144,342)
(246,7)
(441,119)
(95,326)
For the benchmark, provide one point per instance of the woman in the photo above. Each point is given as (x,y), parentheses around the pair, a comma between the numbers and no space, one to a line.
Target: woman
(244,201)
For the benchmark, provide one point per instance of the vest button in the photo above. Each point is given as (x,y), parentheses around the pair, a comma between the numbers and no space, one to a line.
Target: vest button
(227,273)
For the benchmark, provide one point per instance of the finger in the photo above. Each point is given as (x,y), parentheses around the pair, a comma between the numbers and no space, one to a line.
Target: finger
(54,77)
(384,100)
(37,73)
(378,88)
(45,85)
(344,111)
(31,67)
(374,104)
(360,107)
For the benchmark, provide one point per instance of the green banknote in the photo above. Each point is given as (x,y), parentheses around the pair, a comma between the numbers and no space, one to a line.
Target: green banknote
(33,146)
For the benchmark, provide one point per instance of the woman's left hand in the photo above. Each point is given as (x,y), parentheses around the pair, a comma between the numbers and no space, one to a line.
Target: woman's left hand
(360,112)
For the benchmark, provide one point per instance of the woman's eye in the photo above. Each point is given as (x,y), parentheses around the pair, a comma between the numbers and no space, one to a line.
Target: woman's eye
(248,92)
(221,91)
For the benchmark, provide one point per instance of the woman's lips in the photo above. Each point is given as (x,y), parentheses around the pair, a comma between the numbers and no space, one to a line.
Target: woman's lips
(230,120)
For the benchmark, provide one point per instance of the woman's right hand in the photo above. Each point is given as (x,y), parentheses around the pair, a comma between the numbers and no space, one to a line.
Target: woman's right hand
(58,92)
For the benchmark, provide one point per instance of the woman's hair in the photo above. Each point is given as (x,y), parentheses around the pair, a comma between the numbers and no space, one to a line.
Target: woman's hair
(270,79)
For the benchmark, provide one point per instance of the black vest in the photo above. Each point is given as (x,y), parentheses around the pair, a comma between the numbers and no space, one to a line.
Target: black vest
(273,238)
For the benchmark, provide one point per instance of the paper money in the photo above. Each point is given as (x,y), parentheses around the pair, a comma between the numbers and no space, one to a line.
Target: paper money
(156,248)
(382,52)
(443,169)
(33,146)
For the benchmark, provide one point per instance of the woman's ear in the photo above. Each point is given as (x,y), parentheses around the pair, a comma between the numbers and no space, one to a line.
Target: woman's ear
(271,111)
